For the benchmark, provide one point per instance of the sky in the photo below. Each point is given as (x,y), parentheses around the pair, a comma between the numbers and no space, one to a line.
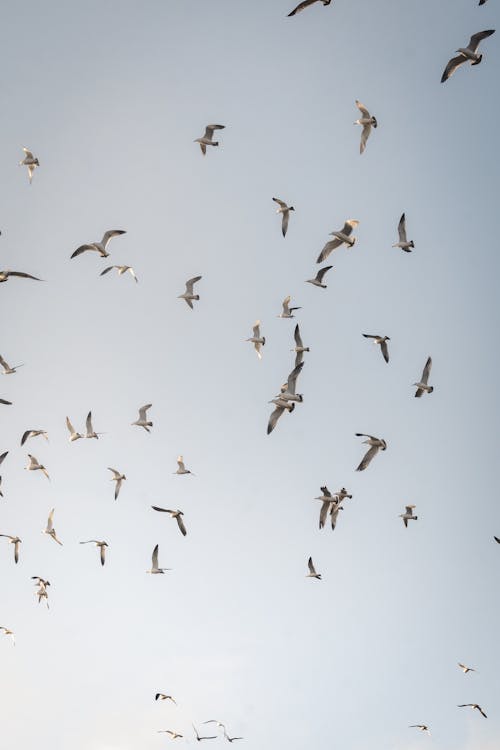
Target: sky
(110,97)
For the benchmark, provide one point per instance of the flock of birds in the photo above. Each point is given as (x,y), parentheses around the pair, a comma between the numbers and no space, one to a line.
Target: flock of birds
(284,401)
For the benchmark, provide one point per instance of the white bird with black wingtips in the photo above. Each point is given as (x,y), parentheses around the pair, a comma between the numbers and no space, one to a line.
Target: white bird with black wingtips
(284,210)
(403,239)
(99,247)
(50,530)
(366,122)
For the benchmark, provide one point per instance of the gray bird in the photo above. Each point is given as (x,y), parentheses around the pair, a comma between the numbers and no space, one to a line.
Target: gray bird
(305,4)
(284,210)
(318,279)
(5,275)
(366,121)
(287,311)
(288,389)
(33,433)
(422,384)
(188,295)
(7,369)
(466,53)
(143,418)
(381,341)
(118,477)
(16,542)
(121,270)
(299,348)
(50,530)
(207,138)
(280,407)
(408,515)
(257,340)
(29,161)
(476,706)
(341,238)
(177,514)
(376,445)
(99,247)
(403,240)
(312,570)
(102,547)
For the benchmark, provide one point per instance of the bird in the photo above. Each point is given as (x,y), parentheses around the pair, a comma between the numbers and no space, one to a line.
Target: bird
(376,444)
(5,275)
(41,591)
(422,727)
(177,514)
(280,407)
(465,669)
(118,477)
(16,542)
(202,738)
(422,384)
(327,501)
(206,139)
(35,466)
(173,735)
(181,469)
(163,697)
(342,237)
(102,547)
(99,247)
(288,390)
(188,295)
(366,121)
(257,340)
(318,279)
(121,270)
(8,632)
(408,515)
(33,433)
(7,369)
(143,419)
(91,433)
(403,240)
(287,311)
(299,348)
(29,161)
(466,53)
(3,456)
(382,342)
(154,567)
(73,434)
(305,4)
(284,210)
(312,570)
(473,705)
(50,530)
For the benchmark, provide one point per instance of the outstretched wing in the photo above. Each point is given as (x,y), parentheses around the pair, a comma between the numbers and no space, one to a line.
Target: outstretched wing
(402,229)
(362,109)
(385,350)
(453,64)
(476,38)
(190,283)
(370,453)
(276,414)
(297,337)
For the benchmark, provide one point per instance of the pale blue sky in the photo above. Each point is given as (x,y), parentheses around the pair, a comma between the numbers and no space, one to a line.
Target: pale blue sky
(110,97)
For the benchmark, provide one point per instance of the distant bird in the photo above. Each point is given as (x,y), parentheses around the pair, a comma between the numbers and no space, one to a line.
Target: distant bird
(287,311)
(73,434)
(35,466)
(5,275)
(207,138)
(466,53)
(376,444)
(318,279)
(288,391)
(91,433)
(382,342)
(188,295)
(4,402)
(465,669)
(257,340)
(3,456)
(341,238)
(284,210)
(173,735)
(154,567)
(33,433)
(305,4)
(181,468)
(7,369)
(280,407)
(177,514)
(202,738)
(121,270)
(312,570)
(403,240)
(408,515)
(8,632)
(41,591)
(118,478)
(143,419)
(422,727)
(231,739)
(50,530)
(299,348)
(29,161)
(102,547)
(475,706)
(163,697)
(16,542)
(422,384)
(366,121)
(99,247)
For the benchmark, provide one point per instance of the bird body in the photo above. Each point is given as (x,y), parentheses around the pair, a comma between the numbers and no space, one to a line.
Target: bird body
(155,569)
(207,138)
(118,477)
(465,669)
(33,433)
(284,210)
(143,419)
(422,386)
(475,706)
(381,341)
(312,570)
(257,340)
(367,121)
(73,434)
(29,161)
(299,347)
(376,444)
(188,295)
(408,515)
(34,465)
(287,310)
(468,53)
(341,237)
(177,514)
(50,530)
(403,239)
(121,270)
(16,542)
(305,4)
(181,467)
(99,247)
(318,279)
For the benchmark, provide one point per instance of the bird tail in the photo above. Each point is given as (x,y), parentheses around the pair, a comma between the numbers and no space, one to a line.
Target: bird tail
(196,296)
(149,424)
(476,62)
(431,389)
(263,340)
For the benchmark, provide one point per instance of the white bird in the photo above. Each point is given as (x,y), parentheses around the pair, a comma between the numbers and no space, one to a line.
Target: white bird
(199,739)
(341,238)
(181,468)
(312,570)
(376,444)
(257,340)
(422,384)
(102,547)
(41,591)
(33,433)
(466,53)
(121,270)
(299,348)
(177,514)
(143,419)
(29,161)
(154,567)
(9,633)
(163,697)
(99,247)
(173,735)
(288,390)
(287,311)
(403,239)
(7,369)
(381,341)
(318,279)
(50,530)
(188,295)
(476,706)
(35,466)
(408,515)
(284,210)
(465,669)
(280,407)
(73,434)
(207,138)
(330,504)
(5,275)
(366,121)
(305,4)
(91,433)
(16,542)
(118,478)
(422,727)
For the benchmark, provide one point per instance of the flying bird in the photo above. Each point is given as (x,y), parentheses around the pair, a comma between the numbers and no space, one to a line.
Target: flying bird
(73,434)
(177,514)
(29,161)
(35,466)
(50,530)
(422,727)
(91,433)
(329,505)
(280,407)
(188,295)
(408,515)
(99,247)
(16,542)
(202,738)
(284,210)
(299,348)
(382,342)
(312,570)
(342,237)
(403,239)
(376,444)
(366,121)
(118,478)
(41,591)
(102,547)
(173,735)
(466,53)
(231,739)
(9,633)
(465,669)
(143,419)
(422,385)
(318,279)
(475,706)
(33,433)
(154,567)
(287,311)
(288,390)
(206,139)
(305,4)
(7,369)
(163,697)
(5,275)
(121,270)
(181,468)
(257,340)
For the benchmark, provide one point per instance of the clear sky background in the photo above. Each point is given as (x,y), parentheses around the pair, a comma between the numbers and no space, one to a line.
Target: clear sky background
(110,96)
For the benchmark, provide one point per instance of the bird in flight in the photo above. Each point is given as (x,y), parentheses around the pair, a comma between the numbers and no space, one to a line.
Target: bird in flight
(102,547)
(41,591)
(280,407)
(318,279)
(403,239)
(99,247)
(50,530)
(5,275)
(331,504)
(408,515)
(118,478)
(35,466)
(7,369)
(231,739)
(9,633)
(376,444)
(143,419)
(342,237)
(382,342)
(4,402)
(181,468)
(422,727)
(288,389)
(466,53)
(284,210)
(163,697)
(177,514)
(154,567)
(476,706)
(287,311)
(366,121)
(173,735)
(257,340)
(188,295)
(312,570)
(207,138)
(33,433)
(121,270)
(29,161)
(16,542)
(305,4)
(422,384)
(73,434)
(299,347)
(91,433)
(465,669)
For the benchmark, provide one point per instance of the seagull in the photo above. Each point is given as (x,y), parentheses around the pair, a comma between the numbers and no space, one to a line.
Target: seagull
(181,469)
(215,721)
(35,466)
(288,392)
(188,295)
(312,571)
(341,238)
(408,515)
(177,514)
(281,406)
(5,275)
(366,121)
(50,530)
(121,270)
(285,211)
(73,435)
(29,161)
(33,433)
(305,4)
(318,279)
(118,478)
(382,341)
(257,340)
(16,542)
(202,738)
(99,247)
(287,311)
(466,53)
(91,433)
(101,545)
(465,669)
(163,697)
(473,705)
(422,385)
(173,735)
(403,240)
(7,369)
(328,500)
(143,420)
(154,567)
(375,444)
(8,632)
(206,139)
(231,739)
(299,348)
(422,727)
(41,591)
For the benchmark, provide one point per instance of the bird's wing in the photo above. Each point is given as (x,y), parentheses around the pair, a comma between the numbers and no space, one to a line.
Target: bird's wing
(453,64)
(161,510)
(143,410)
(426,371)
(280,203)
(25,436)
(103,553)
(284,222)
(155,557)
(292,378)
(50,520)
(365,133)
(385,350)
(370,453)
(107,270)
(82,249)
(476,38)
(116,473)
(276,414)
(180,463)
(88,423)
(256,330)
(132,273)
(28,153)
(190,283)
(4,363)
(402,229)
(181,526)
(2,457)
(209,130)
(24,275)
(296,335)
(362,109)
(301,6)
(496,539)
(481,712)
(70,426)
(321,273)
(330,246)
(285,304)
(310,565)
(323,513)
(107,236)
